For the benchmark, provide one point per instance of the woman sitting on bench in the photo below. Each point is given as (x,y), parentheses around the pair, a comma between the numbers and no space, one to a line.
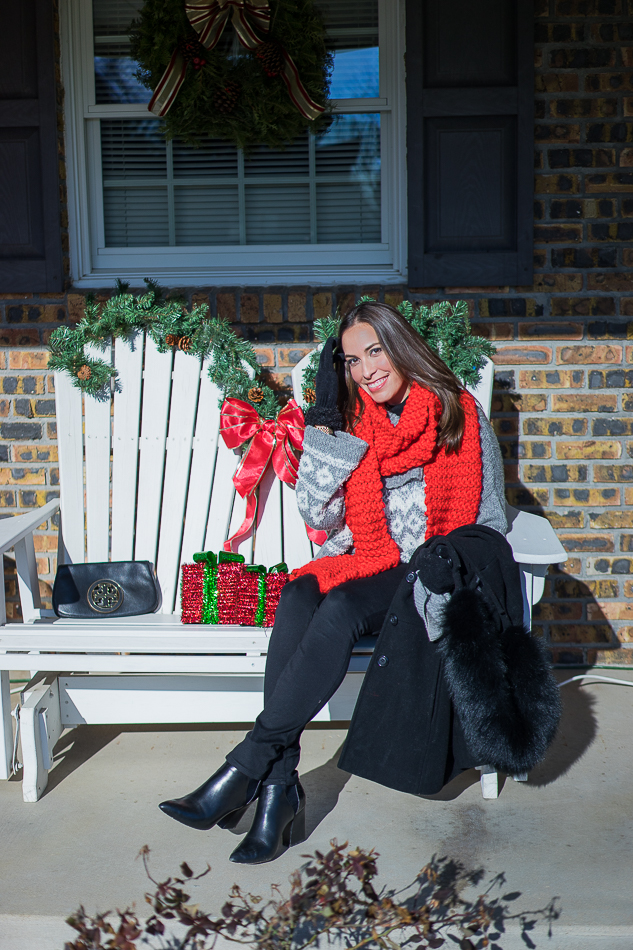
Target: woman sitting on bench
(395,451)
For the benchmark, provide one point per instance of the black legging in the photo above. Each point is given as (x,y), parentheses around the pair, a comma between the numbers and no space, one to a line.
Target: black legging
(308,656)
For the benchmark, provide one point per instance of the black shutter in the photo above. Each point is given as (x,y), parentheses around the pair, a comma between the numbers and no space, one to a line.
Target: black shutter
(30,238)
(470,142)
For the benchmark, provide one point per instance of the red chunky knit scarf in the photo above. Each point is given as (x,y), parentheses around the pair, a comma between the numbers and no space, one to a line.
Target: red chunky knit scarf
(452,484)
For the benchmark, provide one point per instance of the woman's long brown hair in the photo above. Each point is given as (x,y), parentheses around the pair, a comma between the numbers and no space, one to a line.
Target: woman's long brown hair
(415,361)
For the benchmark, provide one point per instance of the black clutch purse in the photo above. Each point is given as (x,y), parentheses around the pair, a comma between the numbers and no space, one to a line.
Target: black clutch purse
(109,589)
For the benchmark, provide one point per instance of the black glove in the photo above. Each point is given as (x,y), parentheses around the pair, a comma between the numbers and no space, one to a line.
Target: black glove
(325,411)
(435,571)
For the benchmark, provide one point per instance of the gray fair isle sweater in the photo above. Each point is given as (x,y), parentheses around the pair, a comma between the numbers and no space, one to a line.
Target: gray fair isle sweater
(328,461)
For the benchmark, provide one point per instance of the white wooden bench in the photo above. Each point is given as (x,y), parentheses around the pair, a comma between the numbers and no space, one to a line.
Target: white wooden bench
(146,476)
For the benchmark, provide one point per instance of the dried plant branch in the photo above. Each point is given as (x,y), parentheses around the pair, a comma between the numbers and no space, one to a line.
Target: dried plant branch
(332,894)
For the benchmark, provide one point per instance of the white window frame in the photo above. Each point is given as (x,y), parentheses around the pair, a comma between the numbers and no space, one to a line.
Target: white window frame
(94,265)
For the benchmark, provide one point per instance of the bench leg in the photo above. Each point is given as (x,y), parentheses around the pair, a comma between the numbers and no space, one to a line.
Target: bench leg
(489,781)
(6,732)
(40,728)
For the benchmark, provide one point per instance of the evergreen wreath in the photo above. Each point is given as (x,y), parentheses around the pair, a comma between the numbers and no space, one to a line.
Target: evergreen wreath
(230,92)
(171,326)
(444,326)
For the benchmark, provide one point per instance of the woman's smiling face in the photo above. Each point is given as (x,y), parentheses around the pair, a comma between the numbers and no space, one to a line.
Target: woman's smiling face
(370,366)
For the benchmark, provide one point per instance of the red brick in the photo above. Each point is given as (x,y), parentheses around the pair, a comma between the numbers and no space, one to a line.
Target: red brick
(19,359)
(587,542)
(589,354)
(518,402)
(611,519)
(582,306)
(557,233)
(604,402)
(551,331)
(568,184)
(290,356)
(249,308)
(568,519)
(557,133)
(570,588)
(555,427)
(618,283)
(507,355)
(580,633)
(613,473)
(505,427)
(393,297)
(556,82)
(297,307)
(551,379)
(582,108)
(265,355)
(557,283)
(322,305)
(596,497)
(555,473)
(562,611)
(226,307)
(272,308)
(589,450)
(527,497)
(613,182)
(493,331)
(609,611)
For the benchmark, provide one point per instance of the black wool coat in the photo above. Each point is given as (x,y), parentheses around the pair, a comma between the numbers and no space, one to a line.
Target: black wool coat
(481,694)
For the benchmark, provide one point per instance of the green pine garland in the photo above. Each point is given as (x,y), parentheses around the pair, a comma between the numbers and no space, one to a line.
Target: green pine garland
(444,326)
(171,326)
(262,112)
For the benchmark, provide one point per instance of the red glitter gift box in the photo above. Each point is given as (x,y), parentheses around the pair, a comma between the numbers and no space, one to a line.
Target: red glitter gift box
(224,589)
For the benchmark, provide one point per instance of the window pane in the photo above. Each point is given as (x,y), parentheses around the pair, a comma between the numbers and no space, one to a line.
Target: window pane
(348,181)
(207,215)
(214,159)
(136,217)
(132,148)
(352,35)
(277,214)
(292,160)
(114,69)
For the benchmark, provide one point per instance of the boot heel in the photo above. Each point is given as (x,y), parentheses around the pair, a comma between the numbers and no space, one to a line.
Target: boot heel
(295,832)
(232,821)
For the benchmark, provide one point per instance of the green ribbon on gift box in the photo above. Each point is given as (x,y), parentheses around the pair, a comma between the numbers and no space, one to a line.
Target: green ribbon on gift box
(211,562)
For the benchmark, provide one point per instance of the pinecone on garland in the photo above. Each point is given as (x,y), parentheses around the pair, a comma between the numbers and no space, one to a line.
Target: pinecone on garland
(271,58)
(184,343)
(256,394)
(192,51)
(84,373)
(171,340)
(310,396)
(225,98)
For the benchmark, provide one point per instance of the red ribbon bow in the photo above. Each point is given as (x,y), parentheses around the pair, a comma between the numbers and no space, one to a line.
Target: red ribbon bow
(272,441)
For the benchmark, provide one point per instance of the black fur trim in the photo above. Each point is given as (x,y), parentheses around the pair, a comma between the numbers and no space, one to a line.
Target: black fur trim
(501,683)
(323,416)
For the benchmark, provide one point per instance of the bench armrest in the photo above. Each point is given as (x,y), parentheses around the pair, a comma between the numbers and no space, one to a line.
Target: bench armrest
(532,538)
(18,527)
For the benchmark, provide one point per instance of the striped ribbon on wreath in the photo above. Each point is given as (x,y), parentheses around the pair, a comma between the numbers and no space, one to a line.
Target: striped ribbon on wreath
(209,19)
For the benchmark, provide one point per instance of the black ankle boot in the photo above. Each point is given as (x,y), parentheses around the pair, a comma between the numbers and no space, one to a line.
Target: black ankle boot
(280,821)
(222,800)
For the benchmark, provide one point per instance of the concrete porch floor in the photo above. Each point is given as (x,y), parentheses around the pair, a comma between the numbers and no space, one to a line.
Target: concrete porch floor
(567,833)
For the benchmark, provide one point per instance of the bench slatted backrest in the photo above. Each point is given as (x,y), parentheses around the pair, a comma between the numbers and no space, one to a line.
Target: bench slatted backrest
(144,475)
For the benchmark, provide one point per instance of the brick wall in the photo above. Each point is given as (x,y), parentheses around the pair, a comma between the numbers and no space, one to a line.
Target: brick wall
(564,389)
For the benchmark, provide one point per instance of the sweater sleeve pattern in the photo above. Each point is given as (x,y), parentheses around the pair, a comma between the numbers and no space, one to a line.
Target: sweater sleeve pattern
(326,464)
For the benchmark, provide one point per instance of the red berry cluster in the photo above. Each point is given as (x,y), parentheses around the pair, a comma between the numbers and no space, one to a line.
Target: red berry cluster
(193,52)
